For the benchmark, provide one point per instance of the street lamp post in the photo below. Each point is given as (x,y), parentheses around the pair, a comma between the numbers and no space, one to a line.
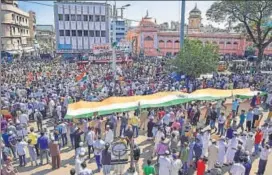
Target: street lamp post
(182,23)
(114,43)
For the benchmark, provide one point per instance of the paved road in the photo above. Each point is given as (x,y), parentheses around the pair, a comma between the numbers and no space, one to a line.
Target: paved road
(146,148)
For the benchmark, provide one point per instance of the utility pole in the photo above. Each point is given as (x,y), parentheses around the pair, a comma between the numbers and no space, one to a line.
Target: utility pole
(1,83)
(182,23)
(113,45)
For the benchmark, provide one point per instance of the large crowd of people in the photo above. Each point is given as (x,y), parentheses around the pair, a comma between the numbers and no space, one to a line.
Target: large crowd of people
(38,90)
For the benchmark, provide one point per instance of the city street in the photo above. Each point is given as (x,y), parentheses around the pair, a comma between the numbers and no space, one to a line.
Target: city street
(68,161)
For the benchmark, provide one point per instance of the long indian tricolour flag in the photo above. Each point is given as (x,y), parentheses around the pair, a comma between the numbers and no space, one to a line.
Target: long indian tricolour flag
(84,109)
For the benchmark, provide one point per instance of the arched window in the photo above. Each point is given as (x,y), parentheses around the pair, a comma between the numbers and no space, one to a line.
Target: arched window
(221,42)
(148,38)
(177,41)
(169,41)
(228,42)
(161,41)
(235,43)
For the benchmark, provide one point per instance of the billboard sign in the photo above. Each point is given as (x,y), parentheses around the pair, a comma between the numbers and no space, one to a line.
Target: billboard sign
(64,46)
(100,48)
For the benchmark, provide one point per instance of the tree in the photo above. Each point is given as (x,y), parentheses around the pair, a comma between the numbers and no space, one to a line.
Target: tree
(196,58)
(253,15)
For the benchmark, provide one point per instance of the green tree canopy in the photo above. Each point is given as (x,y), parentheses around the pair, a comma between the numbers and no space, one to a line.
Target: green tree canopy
(196,58)
(254,16)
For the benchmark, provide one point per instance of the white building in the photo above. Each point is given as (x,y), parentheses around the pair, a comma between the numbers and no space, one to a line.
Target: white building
(15,30)
(79,25)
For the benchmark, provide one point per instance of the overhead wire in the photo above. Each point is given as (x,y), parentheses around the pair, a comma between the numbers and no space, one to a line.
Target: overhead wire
(77,10)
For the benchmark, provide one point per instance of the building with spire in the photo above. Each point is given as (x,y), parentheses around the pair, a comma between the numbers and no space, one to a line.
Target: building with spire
(194,20)
(151,39)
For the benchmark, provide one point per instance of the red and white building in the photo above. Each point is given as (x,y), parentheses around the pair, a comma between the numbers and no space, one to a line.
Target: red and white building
(149,40)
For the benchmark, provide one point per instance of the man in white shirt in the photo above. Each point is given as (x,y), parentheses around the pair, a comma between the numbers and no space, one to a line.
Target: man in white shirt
(237,169)
(90,140)
(221,123)
(79,161)
(109,135)
(84,170)
(23,118)
(213,151)
(263,159)
(165,164)
(98,145)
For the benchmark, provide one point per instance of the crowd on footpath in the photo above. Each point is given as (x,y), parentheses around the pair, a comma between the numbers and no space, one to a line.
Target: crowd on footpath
(38,90)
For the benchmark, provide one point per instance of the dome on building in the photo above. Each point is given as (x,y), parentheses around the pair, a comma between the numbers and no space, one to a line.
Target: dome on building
(195,12)
(147,21)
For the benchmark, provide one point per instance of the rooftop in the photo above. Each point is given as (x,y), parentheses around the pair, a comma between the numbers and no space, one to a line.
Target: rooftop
(45,28)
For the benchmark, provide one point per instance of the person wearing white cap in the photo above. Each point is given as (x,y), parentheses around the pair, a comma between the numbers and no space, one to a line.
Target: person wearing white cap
(222,146)
(213,151)
(232,147)
(79,161)
(80,149)
(249,143)
(109,135)
(205,141)
(165,164)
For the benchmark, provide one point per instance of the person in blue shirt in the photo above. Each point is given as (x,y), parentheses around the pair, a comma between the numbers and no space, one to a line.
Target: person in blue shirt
(229,133)
(235,107)
(5,137)
(247,165)
(249,119)
(197,150)
(242,120)
(43,142)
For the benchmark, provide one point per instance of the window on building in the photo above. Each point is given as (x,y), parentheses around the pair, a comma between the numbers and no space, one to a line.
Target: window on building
(79,33)
(73,33)
(85,17)
(103,18)
(228,42)
(13,17)
(67,32)
(90,17)
(61,32)
(97,18)
(18,29)
(26,20)
(91,33)
(20,19)
(18,41)
(85,32)
(23,19)
(67,17)
(103,33)
(73,17)
(78,17)
(13,30)
(60,17)
(26,31)
(17,18)
(21,31)
(97,33)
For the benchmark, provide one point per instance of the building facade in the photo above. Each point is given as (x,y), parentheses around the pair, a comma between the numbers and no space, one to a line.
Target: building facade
(45,36)
(120,30)
(15,30)
(148,39)
(79,25)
